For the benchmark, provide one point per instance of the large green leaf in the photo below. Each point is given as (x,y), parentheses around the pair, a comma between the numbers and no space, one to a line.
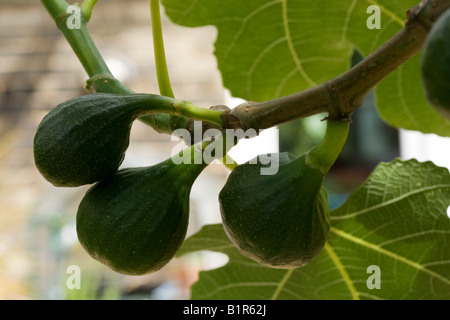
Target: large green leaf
(270,48)
(396,221)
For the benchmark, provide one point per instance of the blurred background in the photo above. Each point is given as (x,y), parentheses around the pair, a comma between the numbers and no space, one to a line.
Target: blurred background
(38,70)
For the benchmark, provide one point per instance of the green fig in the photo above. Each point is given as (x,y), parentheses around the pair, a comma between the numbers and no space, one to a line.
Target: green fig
(435,65)
(135,220)
(84,140)
(281,220)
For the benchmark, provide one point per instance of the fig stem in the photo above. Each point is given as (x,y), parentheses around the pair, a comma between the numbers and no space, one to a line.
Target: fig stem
(87,7)
(162,72)
(325,154)
(229,162)
(101,79)
(78,38)
(189,110)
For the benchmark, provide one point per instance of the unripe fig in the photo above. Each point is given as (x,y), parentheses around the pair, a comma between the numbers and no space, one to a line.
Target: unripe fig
(435,65)
(135,220)
(282,220)
(279,220)
(84,139)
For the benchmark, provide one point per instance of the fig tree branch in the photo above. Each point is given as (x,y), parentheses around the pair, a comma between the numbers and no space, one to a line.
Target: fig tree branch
(100,77)
(341,96)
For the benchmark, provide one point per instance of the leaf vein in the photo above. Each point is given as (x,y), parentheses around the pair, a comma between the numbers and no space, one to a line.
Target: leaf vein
(282,284)
(396,257)
(244,24)
(347,20)
(388,12)
(389,202)
(294,54)
(413,235)
(341,268)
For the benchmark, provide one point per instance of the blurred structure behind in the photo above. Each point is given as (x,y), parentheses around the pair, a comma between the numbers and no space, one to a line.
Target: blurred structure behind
(38,70)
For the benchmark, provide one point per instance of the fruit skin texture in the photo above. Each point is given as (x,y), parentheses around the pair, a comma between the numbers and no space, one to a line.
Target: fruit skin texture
(84,139)
(435,65)
(281,220)
(135,220)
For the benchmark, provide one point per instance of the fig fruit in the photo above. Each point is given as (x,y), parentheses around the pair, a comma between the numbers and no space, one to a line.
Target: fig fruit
(135,220)
(282,220)
(84,140)
(435,65)
(279,220)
